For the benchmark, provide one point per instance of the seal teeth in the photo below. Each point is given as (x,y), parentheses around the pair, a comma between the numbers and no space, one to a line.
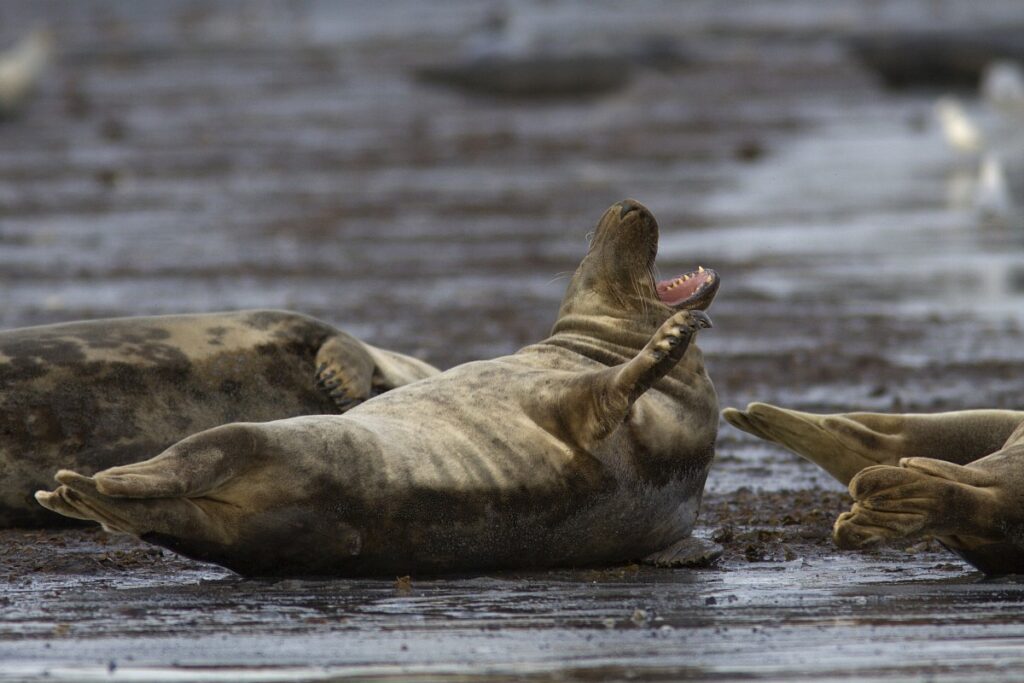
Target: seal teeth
(683,279)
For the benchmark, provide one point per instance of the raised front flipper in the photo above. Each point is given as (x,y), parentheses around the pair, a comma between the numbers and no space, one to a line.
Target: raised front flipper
(350,372)
(592,405)
(344,371)
(846,443)
(977,510)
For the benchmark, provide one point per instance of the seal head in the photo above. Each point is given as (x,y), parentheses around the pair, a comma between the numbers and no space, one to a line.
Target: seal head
(617,276)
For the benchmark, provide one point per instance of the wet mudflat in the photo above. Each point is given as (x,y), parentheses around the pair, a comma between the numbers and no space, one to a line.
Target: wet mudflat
(183,158)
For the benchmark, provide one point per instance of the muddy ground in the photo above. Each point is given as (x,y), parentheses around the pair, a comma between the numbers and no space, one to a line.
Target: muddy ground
(198,157)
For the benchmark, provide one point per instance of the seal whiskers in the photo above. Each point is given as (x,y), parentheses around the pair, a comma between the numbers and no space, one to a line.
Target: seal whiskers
(589,447)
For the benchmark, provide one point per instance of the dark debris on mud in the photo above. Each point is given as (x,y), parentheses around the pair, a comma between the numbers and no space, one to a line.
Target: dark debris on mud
(787,525)
(80,552)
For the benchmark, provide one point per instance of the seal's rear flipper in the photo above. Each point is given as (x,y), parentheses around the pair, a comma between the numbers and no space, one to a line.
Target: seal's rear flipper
(689,552)
(62,501)
(743,422)
(79,497)
(840,446)
(846,443)
(921,496)
(595,403)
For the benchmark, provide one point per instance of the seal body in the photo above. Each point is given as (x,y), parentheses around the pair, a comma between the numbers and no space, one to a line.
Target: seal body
(589,447)
(958,476)
(92,395)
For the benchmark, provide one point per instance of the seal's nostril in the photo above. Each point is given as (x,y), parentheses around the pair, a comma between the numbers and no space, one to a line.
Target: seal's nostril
(628,206)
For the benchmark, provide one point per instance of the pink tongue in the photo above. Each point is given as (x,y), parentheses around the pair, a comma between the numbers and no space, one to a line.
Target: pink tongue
(674,294)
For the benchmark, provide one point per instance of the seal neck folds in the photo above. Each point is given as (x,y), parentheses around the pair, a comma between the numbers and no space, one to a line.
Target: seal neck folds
(614,296)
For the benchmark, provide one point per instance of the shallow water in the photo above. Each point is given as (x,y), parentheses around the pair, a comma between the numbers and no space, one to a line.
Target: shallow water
(786,621)
(186,158)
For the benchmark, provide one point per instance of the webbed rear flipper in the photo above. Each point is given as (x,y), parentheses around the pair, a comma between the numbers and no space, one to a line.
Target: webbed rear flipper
(843,444)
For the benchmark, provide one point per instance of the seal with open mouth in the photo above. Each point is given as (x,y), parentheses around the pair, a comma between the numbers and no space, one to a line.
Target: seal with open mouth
(958,476)
(587,448)
(92,395)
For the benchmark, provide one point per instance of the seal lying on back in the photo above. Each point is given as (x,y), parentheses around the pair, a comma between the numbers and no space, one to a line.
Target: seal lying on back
(957,476)
(91,395)
(589,447)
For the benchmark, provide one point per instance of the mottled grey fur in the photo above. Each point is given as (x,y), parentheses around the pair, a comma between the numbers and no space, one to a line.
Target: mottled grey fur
(93,395)
(589,447)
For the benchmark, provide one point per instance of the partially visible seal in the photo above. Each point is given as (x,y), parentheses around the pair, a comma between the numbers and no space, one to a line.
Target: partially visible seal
(589,447)
(92,395)
(958,476)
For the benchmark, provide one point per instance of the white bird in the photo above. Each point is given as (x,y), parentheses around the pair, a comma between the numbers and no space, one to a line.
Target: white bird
(960,132)
(991,140)
(21,67)
(1002,86)
(992,197)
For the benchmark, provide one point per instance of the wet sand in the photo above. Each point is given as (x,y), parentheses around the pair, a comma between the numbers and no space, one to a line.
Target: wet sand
(188,159)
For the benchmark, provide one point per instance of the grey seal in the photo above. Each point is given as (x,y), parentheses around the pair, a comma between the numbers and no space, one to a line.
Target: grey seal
(958,476)
(92,395)
(589,447)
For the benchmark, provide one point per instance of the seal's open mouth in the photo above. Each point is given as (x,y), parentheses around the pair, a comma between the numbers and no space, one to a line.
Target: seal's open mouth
(695,289)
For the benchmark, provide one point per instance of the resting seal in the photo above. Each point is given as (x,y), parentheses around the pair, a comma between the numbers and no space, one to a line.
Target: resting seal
(589,447)
(92,395)
(958,476)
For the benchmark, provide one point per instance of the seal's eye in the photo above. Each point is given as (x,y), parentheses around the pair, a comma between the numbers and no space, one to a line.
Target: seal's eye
(695,289)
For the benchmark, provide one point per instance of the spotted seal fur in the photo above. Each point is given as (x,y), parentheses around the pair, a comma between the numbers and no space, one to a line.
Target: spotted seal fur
(92,395)
(589,447)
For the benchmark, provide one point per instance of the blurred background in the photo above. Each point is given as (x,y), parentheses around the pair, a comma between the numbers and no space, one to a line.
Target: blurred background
(424,175)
